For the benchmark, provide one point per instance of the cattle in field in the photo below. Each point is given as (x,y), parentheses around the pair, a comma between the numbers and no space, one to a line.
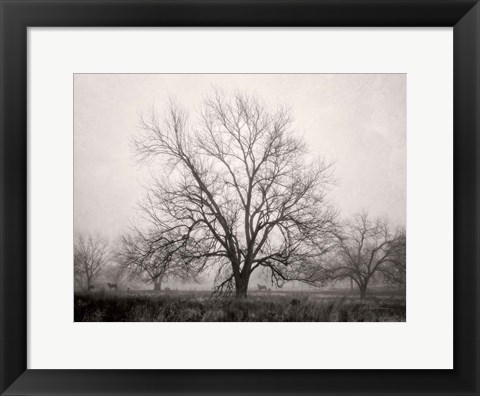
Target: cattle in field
(262,287)
(112,286)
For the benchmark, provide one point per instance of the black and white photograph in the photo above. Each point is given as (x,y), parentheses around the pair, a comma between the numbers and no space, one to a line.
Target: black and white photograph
(240,197)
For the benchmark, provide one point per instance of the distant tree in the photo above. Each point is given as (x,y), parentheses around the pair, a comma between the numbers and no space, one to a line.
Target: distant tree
(238,186)
(365,247)
(90,257)
(154,257)
(395,270)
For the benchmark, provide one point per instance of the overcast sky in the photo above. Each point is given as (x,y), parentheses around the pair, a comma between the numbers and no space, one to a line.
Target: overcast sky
(356,120)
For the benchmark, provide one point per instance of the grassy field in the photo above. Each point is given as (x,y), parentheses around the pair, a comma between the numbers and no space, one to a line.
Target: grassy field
(333,305)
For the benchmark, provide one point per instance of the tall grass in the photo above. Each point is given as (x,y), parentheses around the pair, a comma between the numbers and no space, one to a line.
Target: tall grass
(191,308)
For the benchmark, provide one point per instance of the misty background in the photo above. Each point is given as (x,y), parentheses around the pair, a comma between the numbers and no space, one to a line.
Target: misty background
(358,121)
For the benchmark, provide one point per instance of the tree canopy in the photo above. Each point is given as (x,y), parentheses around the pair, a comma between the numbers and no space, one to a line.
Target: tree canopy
(235,189)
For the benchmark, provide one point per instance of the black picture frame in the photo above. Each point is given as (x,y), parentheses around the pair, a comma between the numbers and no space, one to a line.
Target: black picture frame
(18,15)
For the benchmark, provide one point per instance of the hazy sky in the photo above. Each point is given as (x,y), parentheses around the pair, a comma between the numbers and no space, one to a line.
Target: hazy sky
(356,120)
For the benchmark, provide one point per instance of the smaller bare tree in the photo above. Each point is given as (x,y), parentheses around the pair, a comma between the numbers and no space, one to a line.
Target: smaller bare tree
(365,247)
(154,257)
(90,257)
(395,271)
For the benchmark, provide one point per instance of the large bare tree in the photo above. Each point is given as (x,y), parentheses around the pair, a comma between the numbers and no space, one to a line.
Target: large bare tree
(90,257)
(235,182)
(365,247)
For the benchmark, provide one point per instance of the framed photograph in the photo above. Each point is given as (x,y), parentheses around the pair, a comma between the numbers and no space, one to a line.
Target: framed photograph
(239,197)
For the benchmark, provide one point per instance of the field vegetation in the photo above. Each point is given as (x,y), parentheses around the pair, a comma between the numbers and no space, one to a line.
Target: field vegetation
(324,306)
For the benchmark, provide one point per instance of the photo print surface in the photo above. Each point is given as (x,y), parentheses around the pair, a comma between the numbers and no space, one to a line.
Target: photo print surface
(240,197)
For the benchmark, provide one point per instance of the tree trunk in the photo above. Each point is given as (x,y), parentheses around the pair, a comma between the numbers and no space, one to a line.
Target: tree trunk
(363,292)
(241,286)
(157,284)
(240,292)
